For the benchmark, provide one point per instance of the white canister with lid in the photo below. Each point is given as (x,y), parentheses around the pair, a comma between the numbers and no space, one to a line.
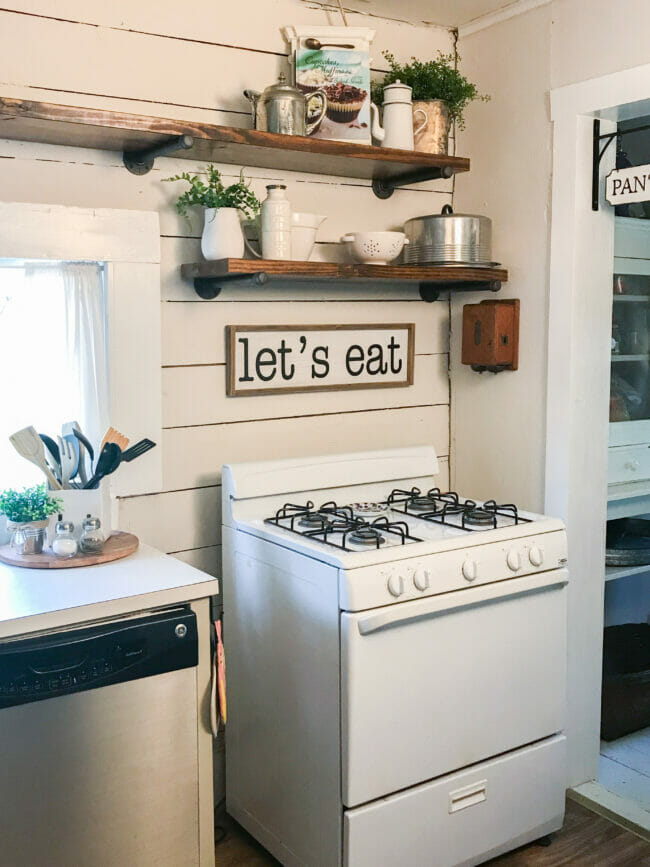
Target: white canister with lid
(276,223)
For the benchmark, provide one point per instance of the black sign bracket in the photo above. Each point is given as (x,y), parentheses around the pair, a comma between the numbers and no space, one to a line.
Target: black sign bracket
(599,153)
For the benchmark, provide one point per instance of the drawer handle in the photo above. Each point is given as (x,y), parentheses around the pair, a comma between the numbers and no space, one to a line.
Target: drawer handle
(468,796)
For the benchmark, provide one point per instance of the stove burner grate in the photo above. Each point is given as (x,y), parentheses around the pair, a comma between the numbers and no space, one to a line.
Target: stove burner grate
(365,535)
(447,508)
(478,517)
(315,521)
(337,526)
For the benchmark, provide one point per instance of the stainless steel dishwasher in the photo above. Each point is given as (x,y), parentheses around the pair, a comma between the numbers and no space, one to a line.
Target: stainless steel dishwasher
(98,745)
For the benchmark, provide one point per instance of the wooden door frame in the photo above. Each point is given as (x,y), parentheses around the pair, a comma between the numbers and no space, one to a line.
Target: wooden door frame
(580,302)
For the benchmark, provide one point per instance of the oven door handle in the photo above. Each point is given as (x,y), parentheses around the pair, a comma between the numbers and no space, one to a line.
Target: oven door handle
(436,606)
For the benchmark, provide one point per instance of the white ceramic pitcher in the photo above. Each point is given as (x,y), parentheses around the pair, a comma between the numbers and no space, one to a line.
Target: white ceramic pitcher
(397,131)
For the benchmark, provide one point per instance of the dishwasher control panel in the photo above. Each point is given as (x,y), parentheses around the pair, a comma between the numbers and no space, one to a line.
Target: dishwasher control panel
(58,663)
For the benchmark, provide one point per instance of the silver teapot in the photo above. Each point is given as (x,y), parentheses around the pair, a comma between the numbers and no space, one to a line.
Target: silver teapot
(284,109)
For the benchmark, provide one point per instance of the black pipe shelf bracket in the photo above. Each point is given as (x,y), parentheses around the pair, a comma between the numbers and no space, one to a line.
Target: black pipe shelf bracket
(384,188)
(210,288)
(141,162)
(598,153)
(430,292)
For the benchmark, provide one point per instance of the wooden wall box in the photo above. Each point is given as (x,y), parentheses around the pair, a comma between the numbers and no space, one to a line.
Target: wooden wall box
(491,335)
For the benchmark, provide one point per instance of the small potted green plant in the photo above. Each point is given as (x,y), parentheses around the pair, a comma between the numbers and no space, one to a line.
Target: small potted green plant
(28,512)
(439,90)
(222,236)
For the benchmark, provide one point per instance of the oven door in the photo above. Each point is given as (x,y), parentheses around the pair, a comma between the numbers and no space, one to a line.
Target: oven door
(437,684)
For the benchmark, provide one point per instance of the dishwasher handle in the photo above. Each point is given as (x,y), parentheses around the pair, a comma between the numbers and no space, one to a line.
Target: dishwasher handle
(434,606)
(56,669)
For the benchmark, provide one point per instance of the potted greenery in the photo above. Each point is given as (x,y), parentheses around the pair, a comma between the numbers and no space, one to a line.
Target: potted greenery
(222,236)
(28,512)
(439,90)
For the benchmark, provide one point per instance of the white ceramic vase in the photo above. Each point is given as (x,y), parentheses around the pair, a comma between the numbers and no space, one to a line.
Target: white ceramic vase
(222,236)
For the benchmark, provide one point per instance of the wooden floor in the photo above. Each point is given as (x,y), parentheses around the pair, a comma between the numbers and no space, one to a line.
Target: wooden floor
(587,840)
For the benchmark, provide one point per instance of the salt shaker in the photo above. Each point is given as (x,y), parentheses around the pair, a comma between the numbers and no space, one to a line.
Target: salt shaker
(92,538)
(64,544)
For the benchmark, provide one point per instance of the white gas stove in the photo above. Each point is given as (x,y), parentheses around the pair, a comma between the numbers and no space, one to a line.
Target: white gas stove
(396,663)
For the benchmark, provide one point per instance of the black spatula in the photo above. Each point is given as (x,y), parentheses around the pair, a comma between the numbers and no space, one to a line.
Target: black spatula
(138,449)
(108,461)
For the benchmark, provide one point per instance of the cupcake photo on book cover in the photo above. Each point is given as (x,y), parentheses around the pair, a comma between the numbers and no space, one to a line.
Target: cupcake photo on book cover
(340,68)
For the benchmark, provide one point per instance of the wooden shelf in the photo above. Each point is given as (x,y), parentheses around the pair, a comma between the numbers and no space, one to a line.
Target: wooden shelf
(142,138)
(640,357)
(209,278)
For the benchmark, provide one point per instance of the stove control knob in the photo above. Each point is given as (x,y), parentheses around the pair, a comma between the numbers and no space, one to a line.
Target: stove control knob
(470,570)
(513,560)
(536,556)
(395,584)
(421,579)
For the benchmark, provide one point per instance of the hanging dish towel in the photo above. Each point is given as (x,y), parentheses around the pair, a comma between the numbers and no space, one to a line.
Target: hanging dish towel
(218,685)
(221,672)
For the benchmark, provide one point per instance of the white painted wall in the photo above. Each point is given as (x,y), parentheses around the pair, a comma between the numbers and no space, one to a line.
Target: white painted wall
(499,421)
(596,37)
(518,61)
(191,61)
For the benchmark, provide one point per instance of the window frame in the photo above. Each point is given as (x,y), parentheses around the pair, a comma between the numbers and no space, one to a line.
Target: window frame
(129,243)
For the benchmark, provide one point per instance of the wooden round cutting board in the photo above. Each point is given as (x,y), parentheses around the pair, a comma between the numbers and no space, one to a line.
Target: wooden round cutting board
(117,545)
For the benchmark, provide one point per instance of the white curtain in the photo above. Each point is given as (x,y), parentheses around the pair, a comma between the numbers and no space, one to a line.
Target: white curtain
(87,344)
(53,355)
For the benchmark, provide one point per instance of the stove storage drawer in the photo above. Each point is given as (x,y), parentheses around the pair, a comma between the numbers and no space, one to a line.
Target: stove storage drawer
(437,684)
(464,818)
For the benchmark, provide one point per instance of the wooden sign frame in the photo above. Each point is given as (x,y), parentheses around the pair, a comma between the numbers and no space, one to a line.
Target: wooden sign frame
(232,332)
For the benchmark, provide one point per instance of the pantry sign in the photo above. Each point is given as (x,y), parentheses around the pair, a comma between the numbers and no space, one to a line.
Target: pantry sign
(269,359)
(624,186)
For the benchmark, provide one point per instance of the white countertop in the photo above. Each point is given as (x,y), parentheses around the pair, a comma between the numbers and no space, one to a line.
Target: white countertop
(36,599)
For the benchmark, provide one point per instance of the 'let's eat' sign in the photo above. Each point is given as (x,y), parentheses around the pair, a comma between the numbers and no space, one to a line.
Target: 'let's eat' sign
(281,358)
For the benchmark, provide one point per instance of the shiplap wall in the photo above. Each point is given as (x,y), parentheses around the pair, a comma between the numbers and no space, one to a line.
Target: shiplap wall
(191,61)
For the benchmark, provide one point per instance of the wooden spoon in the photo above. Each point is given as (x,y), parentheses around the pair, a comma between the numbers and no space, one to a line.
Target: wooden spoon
(114,436)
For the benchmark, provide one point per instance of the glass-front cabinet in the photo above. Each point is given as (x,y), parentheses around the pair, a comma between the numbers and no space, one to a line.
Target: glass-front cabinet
(629,405)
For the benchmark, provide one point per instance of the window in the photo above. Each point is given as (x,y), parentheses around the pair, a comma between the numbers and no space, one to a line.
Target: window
(127,244)
(53,354)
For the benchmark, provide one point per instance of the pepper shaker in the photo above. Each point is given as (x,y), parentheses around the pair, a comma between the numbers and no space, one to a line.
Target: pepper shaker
(92,538)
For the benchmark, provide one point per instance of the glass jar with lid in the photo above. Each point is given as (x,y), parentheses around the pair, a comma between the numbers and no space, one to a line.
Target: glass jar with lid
(92,537)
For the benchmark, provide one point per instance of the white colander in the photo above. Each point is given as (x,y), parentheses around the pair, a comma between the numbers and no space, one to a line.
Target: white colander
(374,248)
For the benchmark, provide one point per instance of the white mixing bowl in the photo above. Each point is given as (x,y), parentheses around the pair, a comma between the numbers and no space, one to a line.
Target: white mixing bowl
(374,248)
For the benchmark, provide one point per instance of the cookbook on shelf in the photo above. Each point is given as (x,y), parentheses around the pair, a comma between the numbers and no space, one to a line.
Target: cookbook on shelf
(335,60)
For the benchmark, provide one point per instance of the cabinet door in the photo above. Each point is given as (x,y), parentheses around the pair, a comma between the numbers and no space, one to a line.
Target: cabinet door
(629,404)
